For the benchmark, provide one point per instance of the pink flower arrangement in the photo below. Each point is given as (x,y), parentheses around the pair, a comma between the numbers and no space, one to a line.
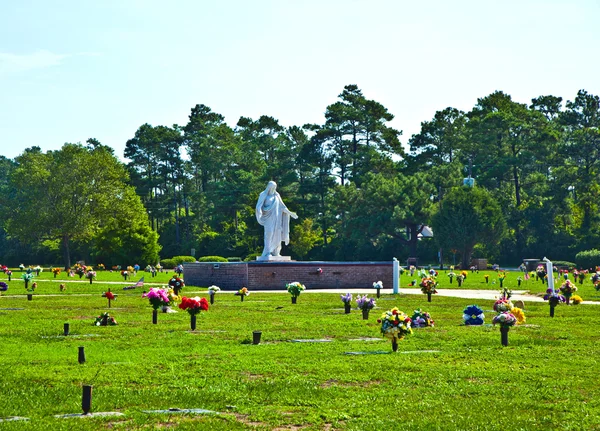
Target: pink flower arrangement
(158,297)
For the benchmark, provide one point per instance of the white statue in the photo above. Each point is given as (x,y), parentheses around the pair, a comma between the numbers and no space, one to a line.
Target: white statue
(272,213)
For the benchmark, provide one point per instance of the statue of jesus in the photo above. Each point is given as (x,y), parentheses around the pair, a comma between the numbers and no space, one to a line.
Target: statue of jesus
(272,213)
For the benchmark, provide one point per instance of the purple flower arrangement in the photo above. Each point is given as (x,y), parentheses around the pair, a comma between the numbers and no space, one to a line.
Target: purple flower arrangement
(364,302)
(347,298)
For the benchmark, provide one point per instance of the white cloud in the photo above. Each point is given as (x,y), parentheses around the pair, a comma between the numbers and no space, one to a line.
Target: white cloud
(16,63)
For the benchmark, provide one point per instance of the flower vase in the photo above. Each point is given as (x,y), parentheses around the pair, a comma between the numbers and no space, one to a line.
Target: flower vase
(242,297)
(428,296)
(501,283)
(451,278)
(86,399)
(394,345)
(9,277)
(29,297)
(212,298)
(459,283)
(193,321)
(176,291)
(568,299)
(91,281)
(154,317)
(256,337)
(346,307)
(519,283)
(378,293)
(365,314)
(294,299)
(504,335)
(54,276)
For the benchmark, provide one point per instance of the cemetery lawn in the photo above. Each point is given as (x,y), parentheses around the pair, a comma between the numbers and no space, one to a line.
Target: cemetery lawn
(448,377)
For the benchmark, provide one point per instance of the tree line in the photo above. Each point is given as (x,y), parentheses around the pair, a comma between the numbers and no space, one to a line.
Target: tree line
(360,194)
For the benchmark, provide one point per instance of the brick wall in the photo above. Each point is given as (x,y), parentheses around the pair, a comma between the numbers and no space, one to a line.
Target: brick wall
(275,275)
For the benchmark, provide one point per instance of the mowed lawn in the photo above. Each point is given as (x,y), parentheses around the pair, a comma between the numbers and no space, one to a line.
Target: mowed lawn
(447,377)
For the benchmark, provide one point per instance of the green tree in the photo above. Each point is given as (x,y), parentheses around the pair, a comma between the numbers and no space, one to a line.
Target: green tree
(467,217)
(304,237)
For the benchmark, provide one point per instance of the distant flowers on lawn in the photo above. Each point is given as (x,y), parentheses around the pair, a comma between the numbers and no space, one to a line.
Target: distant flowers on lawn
(553,297)
(502,305)
(3,286)
(428,285)
(109,295)
(378,285)
(568,288)
(213,289)
(576,299)
(56,271)
(243,291)
(176,284)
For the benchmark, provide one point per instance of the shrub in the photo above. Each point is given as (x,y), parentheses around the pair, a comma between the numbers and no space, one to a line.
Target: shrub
(234,259)
(174,261)
(212,259)
(564,263)
(588,258)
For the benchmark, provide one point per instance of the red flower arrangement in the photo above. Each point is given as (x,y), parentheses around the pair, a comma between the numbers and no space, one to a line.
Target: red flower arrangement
(193,305)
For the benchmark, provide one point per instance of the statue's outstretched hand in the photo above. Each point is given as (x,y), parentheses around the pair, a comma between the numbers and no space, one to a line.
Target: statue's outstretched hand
(293,215)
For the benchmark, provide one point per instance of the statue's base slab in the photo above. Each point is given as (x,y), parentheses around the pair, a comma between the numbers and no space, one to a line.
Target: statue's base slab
(273,258)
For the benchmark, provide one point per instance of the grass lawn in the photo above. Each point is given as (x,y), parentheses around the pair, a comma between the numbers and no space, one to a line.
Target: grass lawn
(447,377)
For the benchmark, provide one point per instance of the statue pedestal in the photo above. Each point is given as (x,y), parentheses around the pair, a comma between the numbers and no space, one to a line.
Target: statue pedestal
(273,258)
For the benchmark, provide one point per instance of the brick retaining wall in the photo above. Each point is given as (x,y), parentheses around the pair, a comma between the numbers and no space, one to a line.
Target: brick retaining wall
(275,275)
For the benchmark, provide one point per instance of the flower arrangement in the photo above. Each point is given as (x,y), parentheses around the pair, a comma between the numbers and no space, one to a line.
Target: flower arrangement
(395,325)
(193,305)
(502,305)
(90,275)
(179,269)
(378,285)
(347,298)
(487,278)
(136,268)
(125,274)
(451,276)
(116,267)
(27,277)
(568,288)
(412,270)
(213,289)
(473,315)
(428,285)
(243,292)
(421,319)
(519,280)
(581,275)
(365,303)
(519,315)
(464,274)
(21,267)
(3,286)
(80,270)
(173,297)
(505,293)
(8,272)
(295,288)
(105,319)
(540,272)
(56,271)
(413,283)
(505,319)
(100,267)
(501,277)
(62,287)
(401,270)
(158,297)
(554,298)
(576,299)
(459,279)
(176,284)
(109,295)
(130,269)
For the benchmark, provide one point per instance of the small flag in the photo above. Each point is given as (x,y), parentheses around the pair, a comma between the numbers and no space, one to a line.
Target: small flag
(138,284)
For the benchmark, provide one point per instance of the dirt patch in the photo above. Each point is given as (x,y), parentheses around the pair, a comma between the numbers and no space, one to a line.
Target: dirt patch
(332,382)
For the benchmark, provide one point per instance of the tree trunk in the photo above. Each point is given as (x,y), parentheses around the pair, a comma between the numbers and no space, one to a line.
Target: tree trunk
(66,252)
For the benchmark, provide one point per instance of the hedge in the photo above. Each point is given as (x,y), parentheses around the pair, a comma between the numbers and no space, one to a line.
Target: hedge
(212,259)
(588,258)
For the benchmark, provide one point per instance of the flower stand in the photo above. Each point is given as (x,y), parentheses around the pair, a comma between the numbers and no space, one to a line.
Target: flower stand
(394,345)
(212,298)
(365,314)
(193,321)
(504,335)
(256,337)
(154,317)
(347,307)
(294,299)
(379,293)
(429,297)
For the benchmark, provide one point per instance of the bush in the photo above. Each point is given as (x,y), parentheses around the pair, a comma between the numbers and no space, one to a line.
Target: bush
(588,258)
(234,259)
(212,259)
(563,263)
(174,261)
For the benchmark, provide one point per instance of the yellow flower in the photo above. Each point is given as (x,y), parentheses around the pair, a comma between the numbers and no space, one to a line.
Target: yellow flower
(576,299)
(518,313)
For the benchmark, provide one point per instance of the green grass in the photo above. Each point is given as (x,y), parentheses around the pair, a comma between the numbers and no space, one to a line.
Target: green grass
(544,379)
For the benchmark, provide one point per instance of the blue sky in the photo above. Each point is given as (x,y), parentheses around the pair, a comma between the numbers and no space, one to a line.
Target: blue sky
(75,69)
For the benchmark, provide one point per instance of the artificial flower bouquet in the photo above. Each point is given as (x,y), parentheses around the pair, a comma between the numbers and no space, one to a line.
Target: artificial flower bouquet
(347,298)
(173,297)
(568,288)
(56,271)
(421,319)
(193,305)
(105,319)
(158,297)
(90,275)
(505,319)
(395,325)
(540,272)
(109,295)
(503,305)
(80,270)
(553,297)
(295,288)
(176,284)
(365,303)
(3,286)
(451,276)
(428,285)
(243,292)
(213,289)
(378,285)
(473,315)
